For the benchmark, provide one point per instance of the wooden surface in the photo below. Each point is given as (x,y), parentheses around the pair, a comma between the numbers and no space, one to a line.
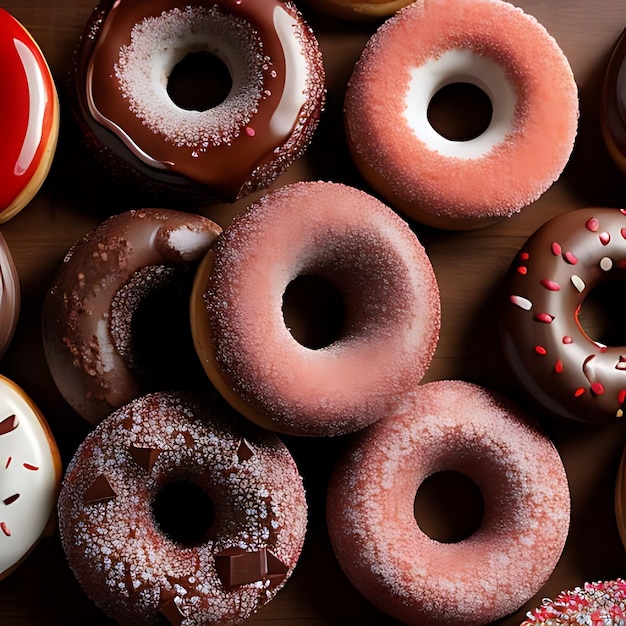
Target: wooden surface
(469,268)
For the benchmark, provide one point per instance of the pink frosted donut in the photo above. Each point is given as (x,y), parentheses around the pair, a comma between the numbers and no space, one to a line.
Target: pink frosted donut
(460,427)
(390,298)
(497,48)
(175,510)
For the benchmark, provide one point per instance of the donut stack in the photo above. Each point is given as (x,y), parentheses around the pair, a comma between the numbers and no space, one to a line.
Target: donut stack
(183,503)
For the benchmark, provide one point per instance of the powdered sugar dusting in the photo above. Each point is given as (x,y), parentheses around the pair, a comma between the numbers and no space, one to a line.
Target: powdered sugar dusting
(125,564)
(142,74)
(449,425)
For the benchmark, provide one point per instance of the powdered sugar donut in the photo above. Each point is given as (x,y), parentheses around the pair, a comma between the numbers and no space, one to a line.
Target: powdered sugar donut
(600,603)
(390,298)
(449,426)
(89,312)
(131,120)
(175,510)
(30,475)
(505,53)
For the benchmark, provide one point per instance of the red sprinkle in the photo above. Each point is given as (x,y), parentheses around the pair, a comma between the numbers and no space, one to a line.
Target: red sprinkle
(524,256)
(597,388)
(5,529)
(621,396)
(623,232)
(558,366)
(579,391)
(546,318)
(592,224)
(541,350)
(250,131)
(605,238)
(550,284)
(522,269)
(8,462)
(567,339)
(570,258)
(556,249)
(32,468)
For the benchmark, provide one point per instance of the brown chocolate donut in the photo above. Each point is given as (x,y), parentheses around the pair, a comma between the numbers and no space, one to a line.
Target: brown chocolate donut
(104,281)
(136,489)
(569,373)
(129,118)
(613,109)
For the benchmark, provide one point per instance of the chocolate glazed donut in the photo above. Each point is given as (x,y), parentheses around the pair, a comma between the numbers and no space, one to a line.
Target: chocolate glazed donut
(104,281)
(131,122)
(564,369)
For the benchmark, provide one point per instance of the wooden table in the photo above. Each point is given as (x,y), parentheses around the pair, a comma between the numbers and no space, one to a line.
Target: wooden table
(469,268)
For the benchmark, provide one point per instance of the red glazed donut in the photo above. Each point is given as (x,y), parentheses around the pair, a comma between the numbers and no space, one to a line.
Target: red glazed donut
(241,144)
(10,296)
(359,10)
(31,115)
(389,293)
(613,109)
(141,567)
(599,603)
(449,426)
(30,476)
(567,372)
(89,310)
(506,54)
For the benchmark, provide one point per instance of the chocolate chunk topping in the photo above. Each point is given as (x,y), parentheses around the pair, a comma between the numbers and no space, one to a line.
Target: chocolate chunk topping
(8,424)
(245,451)
(238,567)
(144,457)
(11,499)
(100,490)
(170,610)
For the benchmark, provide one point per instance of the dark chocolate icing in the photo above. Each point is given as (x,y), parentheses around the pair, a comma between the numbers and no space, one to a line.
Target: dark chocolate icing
(566,371)
(231,168)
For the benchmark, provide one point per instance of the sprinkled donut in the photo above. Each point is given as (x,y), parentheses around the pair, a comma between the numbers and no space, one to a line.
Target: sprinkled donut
(613,109)
(390,299)
(567,372)
(225,151)
(359,10)
(31,115)
(596,604)
(449,426)
(105,279)
(494,46)
(136,569)
(10,296)
(30,476)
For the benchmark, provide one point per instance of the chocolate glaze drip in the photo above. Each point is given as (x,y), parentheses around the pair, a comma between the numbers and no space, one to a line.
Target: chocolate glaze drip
(253,158)
(613,111)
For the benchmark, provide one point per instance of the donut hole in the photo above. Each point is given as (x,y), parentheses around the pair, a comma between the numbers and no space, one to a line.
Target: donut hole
(184,512)
(460,111)
(314,311)
(600,315)
(449,506)
(199,81)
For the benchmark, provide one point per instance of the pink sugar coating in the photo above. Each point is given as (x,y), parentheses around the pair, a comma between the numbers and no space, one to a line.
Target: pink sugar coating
(454,426)
(115,548)
(516,171)
(390,293)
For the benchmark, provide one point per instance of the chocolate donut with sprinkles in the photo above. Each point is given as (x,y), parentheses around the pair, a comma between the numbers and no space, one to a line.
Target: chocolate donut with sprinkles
(175,510)
(565,370)
(141,129)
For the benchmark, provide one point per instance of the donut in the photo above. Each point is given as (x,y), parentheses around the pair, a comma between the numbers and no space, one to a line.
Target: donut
(613,108)
(90,309)
(140,132)
(31,117)
(237,485)
(30,467)
(359,10)
(598,603)
(493,46)
(390,318)
(461,427)
(10,296)
(569,373)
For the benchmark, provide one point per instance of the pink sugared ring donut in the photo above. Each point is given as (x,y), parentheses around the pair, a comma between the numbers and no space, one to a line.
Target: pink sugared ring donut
(94,305)
(388,322)
(175,510)
(30,116)
(570,373)
(459,427)
(146,132)
(494,46)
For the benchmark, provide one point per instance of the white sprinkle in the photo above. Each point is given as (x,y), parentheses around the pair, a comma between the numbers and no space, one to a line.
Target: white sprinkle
(522,303)
(606,264)
(578,282)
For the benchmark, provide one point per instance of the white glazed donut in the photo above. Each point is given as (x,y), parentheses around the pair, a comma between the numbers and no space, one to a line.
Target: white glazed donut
(494,46)
(30,475)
